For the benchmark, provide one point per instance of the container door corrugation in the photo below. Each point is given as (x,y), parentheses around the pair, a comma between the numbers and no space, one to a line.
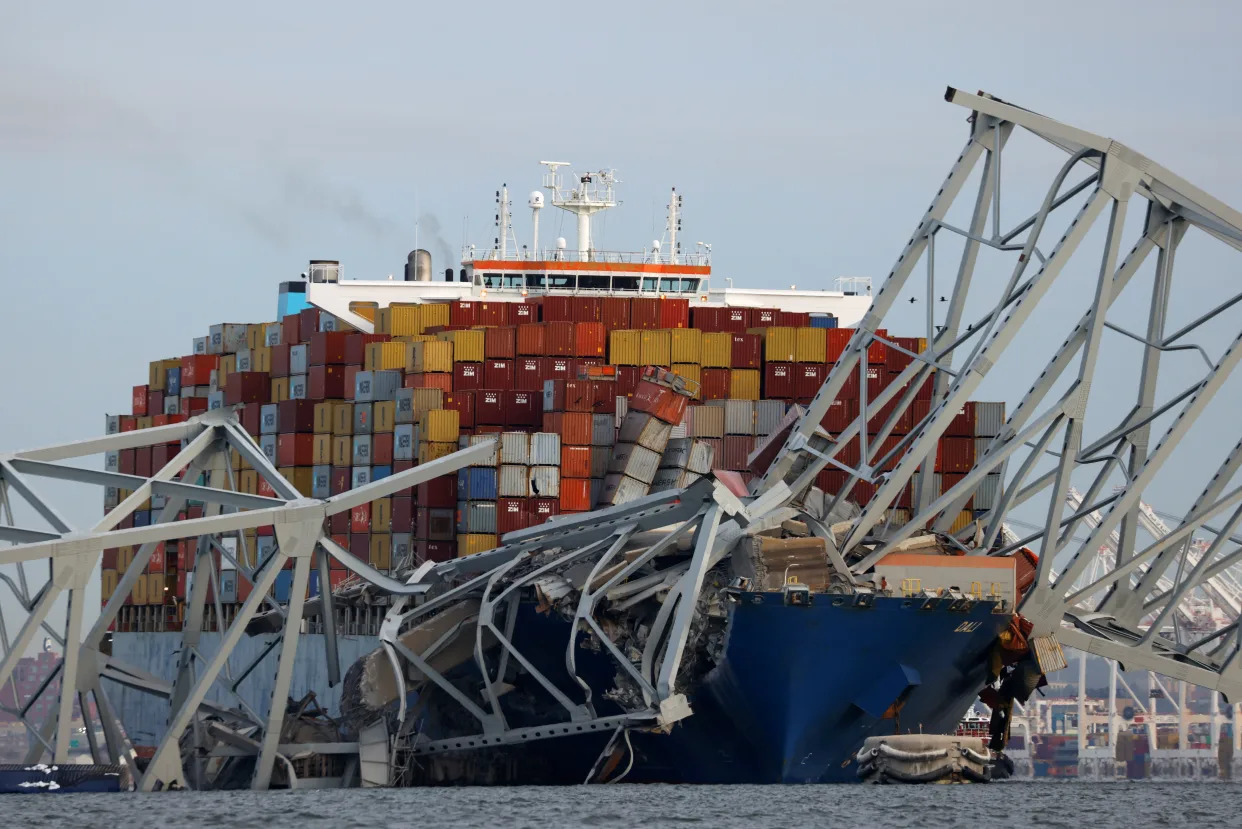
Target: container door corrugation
(603,430)
(780,345)
(716,350)
(625,348)
(656,348)
(637,462)
(618,489)
(739,417)
(481,484)
(545,449)
(989,419)
(768,415)
(545,482)
(702,456)
(515,448)
(481,517)
(514,481)
(706,421)
(494,458)
(744,384)
(676,454)
(811,346)
(645,430)
(686,345)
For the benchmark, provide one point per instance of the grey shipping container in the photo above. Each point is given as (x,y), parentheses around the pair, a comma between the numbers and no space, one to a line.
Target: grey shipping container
(403,442)
(327,322)
(267,419)
(271,334)
(112,424)
(321,482)
(603,430)
(228,586)
(634,461)
(597,490)
(707,421)
(545,449)
(667,479)
(362,418)
(989,491)
(362,450)
(405,406)
(623,408)
(478,517)
(264,547)
(299,389)
(360,477)
(515,448)
(676,454)
(682,429)
(701,457)
(601,456)
(172,405)
(200,345)
(514,481)
(400,548)
(645,430)
(739,417)
(215,400)
(245,360)
(112,461)
(492,459)
(989,419)
(545,482)
(618,489)
(298,358)
(376,386)
(768,414)
(268,444)
(158,502)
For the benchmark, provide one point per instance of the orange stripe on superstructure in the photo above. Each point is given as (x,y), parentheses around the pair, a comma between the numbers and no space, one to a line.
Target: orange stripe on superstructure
(497,265)
(924,560)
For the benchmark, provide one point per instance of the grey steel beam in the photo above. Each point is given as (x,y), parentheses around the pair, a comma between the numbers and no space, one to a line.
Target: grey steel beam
(687,590)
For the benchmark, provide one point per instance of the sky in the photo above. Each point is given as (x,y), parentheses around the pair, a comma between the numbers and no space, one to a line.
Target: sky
(164,166)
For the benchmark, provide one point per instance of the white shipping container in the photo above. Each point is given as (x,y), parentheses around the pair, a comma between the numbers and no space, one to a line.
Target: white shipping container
(513,482)
(491,460)
(618,489)
(245,360)
(545,449)
(701,457)
(707,421)
(545,482)
(299,356)
(272,334)
(634,461)
(989,419)
(403,444)
(989,491)
(768,414)
(603,430)
(739,417)
(200,345)
(298,389)
(623,407)
(645,430)
(667,479)
(515,448)
(682,429)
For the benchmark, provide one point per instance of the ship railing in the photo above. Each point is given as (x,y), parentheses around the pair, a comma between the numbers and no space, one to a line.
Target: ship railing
(853,285)
(605,256)
(911,587)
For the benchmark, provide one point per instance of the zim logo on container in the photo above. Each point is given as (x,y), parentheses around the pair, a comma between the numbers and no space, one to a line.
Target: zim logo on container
(967,627)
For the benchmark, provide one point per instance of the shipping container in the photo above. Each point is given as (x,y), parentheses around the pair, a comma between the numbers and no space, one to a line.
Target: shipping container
(744,384)
(500,343)
(634,461)
(531,340)
(614,312)
(574,427)
(768,416)
(645,430)
(645,313)
(716,350)
(489,408)
(603,429)
(808,378)
(590,339)
(667,479)
(472,543)
(461,402)
(686,345)
(746,351)
(955,454)
(706,421)
(513,481)
(575,461)
(656,347)
(468,377)
(618,489)
(545,481)
(575,495)
(515,448)
(545,449)
(375,386)
(523,409)
(739,417)
(674,312)
(512,514)
(779,381)
(601,456)
(653,398)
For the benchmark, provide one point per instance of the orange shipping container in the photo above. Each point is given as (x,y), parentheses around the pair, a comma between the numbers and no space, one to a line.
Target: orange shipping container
(573,427)
(590,339)
(531,340)
(576,461)
(575,494)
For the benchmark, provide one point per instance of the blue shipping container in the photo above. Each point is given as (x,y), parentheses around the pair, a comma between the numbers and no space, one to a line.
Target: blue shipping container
(823,321)
(142,518)
(314,582)
(378,472)
(172,381)
(482,483)
(463,485)
(284,586)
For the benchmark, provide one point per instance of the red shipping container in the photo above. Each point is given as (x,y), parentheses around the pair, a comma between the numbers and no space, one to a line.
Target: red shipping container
(360,519)
(498,374)
(162,453)
(644,313)
(523,409)
(403,466)
(326,382)
(155,564)
(295,416)
(128,423)
(339,478)
(360,545)
(955,454)
(747,351)
(614,312)
(512,514)
(280,360)
(196,369)
(532,340)
(189,406)
(126,463)
(462,402)
(604,396)
(714,383)
(793,319)
(735,319)
(248,387)
(290,329)
(737,449)
(520,313)
(877,352)
(706,318)
(463,312)
(557,308)
(308,322)
(568,396)
(140,401)
(351,375)
(559,339)
(841,413)
(627,380)
(265,489)
(541,509)
(356,346)
(437,550)
(109,559)
(896,361)
(161,419)
(381,448)
(962,425)
(881,451)
(560,368)
(763,317)
(573,427)
(674,313)
(492,313)
(586,309)
(142,461)
(948,480)
(528,373)
(438,493)
(590,339)
(402,514)
(904,422)
(659,401)
(877,379)
(576,461)
(468,376)
(326,349)
(295,450)
(155,402)
(500,343)
(489,407)
(808,377)
(575,494)
(778,382)
(251,418)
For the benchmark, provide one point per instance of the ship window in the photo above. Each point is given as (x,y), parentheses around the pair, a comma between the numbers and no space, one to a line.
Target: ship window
(491,280)
(668,285)
(625,283)
(689,286)
(514,280)
(650,283)
(593,283)
(563,281)
(534,280)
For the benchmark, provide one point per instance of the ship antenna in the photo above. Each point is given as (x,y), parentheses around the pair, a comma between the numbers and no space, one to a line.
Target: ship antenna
(504,222)
(674,225)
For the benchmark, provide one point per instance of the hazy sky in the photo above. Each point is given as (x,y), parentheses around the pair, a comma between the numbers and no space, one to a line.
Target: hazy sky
(164,166)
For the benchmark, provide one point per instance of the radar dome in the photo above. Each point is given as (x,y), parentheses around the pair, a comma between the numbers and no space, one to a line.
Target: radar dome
(560,243)
(536,199)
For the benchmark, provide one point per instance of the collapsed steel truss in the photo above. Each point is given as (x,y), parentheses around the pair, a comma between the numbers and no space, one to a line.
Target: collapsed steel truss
(959,355)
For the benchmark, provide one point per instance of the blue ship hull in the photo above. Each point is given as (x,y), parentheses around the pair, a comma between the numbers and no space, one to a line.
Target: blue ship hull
(796,692)
(59,779)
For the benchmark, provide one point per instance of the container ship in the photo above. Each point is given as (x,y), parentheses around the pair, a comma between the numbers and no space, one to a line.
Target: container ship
(603,377)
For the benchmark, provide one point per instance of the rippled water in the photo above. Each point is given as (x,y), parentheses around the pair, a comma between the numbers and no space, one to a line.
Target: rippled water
(1055,804)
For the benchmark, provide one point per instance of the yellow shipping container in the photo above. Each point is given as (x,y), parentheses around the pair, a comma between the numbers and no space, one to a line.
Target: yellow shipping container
(428,452)
(744,384)
(381,325)
(657,347)
(470,543)
(780,344)
(690,371)
(381,515)
(425,400)
(717,350)
(261,359)
(442,425)
(432,355)
(342,418)
(145,422)
(280,389)
(228,365)
(962,521)
(467,346)
(321,447)
(155,588)
(366,310)
(434,313)
(342,451)
(687,345)
(125,558)
(248,481)
(811,345)
(302,478)
(323,417)
(384,356)
(383,416)
(107,583)
(157,373)
(625,348)
(256,335)
(381,551)
(138,594)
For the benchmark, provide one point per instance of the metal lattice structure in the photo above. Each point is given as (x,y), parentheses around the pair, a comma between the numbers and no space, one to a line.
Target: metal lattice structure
(959,355)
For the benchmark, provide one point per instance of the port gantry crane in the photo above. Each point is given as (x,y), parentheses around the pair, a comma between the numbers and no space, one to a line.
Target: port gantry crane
(1046,444)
